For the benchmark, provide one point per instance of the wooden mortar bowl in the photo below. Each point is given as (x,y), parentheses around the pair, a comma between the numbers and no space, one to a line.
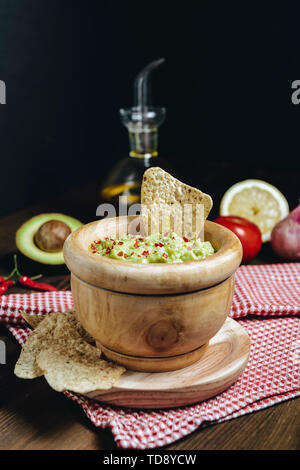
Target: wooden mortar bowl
(151,317)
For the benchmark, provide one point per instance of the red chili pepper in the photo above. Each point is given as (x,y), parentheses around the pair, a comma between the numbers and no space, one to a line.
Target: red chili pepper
(120,253)
(6,282)
(28,282)
(5,285)
(185,239)
(3,289)
(145,253)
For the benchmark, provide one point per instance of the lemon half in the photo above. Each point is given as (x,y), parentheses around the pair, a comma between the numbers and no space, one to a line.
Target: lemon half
(257,201)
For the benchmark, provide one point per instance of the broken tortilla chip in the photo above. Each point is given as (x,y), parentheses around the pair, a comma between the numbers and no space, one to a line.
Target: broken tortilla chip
(76,366)
(32,320)
(35,320)
(56,325)
(26,367)
(59,349)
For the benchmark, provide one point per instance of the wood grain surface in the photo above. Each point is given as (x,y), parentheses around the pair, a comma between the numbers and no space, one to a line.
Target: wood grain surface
(151,327)
(34,417)
(221,362)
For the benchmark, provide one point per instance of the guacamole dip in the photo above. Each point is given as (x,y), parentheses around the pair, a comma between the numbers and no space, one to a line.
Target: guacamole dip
(152,249)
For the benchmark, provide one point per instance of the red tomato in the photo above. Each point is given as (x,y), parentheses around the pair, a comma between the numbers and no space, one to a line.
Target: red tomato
(248,233)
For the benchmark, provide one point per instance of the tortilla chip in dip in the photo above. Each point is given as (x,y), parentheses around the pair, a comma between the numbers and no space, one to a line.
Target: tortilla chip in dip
(171,206)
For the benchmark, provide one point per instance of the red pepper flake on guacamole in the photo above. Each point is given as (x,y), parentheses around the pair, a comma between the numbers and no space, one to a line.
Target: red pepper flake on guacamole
(168,248)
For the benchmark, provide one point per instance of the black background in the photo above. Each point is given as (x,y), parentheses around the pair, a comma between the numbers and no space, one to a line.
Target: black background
(226,83)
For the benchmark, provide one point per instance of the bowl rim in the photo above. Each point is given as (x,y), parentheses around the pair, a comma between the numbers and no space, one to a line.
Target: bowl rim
(152,278)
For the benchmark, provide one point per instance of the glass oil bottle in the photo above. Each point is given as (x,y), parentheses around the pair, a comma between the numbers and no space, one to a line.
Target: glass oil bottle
(123,185)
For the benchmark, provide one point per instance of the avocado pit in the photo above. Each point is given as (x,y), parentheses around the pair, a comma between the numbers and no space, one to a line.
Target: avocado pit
(51,235)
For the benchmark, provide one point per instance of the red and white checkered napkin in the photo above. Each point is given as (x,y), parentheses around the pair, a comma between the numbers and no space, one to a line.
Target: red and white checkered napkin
(270,292)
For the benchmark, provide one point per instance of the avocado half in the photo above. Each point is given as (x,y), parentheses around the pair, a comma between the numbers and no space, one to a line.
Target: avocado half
(26,233)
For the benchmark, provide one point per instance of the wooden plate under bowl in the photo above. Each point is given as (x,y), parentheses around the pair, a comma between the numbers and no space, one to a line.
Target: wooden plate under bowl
(223,360)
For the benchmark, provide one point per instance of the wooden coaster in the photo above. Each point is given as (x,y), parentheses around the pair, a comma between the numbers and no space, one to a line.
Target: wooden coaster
(224,358)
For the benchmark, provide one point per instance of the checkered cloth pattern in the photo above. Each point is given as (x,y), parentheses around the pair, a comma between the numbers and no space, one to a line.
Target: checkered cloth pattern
(267,304)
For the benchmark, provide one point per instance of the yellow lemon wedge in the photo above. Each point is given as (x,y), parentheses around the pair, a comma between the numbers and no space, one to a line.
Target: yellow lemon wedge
(257,201)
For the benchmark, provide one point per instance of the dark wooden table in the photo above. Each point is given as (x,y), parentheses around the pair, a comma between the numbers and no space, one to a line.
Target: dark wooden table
(33,416)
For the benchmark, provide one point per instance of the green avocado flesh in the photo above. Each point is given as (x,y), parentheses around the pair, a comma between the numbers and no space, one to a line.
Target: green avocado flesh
(26,233)
(152,249)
